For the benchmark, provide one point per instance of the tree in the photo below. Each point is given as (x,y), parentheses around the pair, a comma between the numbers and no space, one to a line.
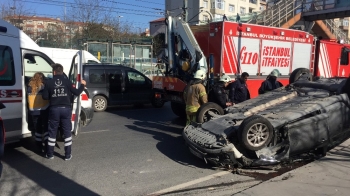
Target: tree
(14,13)
(158,43)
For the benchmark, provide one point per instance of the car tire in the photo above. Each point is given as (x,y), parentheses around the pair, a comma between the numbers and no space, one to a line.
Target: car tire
(179,109)
(203,111)
(99,103)
(252,130)
(157,103)
(297,73)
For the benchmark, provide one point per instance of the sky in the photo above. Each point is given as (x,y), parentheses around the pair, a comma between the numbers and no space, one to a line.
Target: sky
(137,12)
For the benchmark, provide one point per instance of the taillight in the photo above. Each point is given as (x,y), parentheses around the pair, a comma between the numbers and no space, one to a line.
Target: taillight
(73,117)
(84,97)
(157,95)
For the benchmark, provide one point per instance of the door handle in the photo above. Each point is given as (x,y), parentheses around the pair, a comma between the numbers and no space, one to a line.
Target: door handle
(14,93)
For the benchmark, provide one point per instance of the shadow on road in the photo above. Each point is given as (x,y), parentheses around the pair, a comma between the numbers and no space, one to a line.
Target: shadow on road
(46,179)
(170,145)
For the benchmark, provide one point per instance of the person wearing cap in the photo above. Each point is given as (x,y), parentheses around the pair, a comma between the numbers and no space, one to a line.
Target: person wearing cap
(218,94)
(195,95)
(270,83)
(238,90)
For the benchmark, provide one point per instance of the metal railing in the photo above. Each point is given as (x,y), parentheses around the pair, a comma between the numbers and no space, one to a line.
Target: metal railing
(278,14)
(281,12)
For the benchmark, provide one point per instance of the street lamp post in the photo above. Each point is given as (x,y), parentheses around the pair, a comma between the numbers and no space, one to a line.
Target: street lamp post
(119,16)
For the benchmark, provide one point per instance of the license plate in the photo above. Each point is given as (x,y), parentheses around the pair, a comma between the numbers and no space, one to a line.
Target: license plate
(195,153)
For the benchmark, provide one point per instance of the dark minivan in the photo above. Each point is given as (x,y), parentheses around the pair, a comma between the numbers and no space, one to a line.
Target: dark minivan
(112,84)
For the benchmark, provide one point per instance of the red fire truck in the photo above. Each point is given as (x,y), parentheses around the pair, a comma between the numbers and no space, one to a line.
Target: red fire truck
(232,48)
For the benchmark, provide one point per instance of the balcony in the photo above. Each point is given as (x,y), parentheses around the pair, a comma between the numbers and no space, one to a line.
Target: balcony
(344,24)
(253,2)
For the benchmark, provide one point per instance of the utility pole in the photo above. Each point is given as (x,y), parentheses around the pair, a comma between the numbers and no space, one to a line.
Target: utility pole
(119,16)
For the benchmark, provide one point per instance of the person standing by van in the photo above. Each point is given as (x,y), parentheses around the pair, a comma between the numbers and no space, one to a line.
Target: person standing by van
(38,110)
(59,91)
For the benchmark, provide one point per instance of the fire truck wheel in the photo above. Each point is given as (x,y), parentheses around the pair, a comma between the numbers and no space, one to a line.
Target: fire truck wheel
(203,113)
(300,73)
(179,109)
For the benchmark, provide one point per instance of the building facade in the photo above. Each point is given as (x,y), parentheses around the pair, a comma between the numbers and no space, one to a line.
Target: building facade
(44,28)
(157,26)
(200,11)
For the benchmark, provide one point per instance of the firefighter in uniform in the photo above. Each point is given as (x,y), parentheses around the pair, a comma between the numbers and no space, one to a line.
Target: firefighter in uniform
(59,91)
(238,90)
(270,83)
(218,93)
(195,95)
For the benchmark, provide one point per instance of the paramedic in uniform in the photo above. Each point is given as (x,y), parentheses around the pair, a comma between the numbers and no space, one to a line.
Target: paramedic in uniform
(195,95)
(270,83)
(218,94)
(59,91)
(238,90)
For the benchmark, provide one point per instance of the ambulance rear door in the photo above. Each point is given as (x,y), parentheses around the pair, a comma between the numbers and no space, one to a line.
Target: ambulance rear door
(75,77)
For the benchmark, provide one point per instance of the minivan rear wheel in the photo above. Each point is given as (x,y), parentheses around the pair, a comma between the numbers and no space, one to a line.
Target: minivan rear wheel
(99,103)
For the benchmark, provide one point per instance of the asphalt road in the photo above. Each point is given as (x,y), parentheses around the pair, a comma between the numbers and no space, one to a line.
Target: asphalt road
(124,151)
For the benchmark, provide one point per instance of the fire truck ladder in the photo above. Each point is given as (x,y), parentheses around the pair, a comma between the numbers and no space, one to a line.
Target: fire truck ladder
(287,13)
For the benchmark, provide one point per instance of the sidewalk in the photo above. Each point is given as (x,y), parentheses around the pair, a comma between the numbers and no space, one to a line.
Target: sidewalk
(329,175)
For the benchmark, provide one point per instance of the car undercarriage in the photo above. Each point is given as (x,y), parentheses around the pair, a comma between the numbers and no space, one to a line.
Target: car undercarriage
(304,117)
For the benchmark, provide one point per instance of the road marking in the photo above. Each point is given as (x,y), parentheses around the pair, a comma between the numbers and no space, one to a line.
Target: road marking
(190,183)
(95,131)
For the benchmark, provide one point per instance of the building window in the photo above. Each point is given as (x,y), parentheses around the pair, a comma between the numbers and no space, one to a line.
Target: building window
(231,8)
(205,18)
(242,10)
(218,4)
(7,77)
(205,4)
(345,23)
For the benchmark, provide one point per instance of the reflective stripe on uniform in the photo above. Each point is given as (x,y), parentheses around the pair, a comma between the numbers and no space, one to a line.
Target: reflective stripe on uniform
(38,134)
(68,141)
(202,94)
(191,108)
(52,141)
(46,136)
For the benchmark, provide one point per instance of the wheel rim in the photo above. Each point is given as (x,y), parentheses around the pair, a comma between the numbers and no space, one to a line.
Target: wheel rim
(258,134)
(100,104)
(207,116)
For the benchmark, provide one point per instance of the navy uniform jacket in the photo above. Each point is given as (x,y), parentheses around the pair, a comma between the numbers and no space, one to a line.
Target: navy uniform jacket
(269,85)
(238,91)
(218,95)
(59,91)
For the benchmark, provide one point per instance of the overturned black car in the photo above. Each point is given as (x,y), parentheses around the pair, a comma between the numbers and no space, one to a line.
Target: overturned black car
(303,117)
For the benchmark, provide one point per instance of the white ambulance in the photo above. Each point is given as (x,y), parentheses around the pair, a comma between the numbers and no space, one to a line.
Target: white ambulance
(20,58)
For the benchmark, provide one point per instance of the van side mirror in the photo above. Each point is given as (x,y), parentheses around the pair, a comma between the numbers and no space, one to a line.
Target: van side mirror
(344,58)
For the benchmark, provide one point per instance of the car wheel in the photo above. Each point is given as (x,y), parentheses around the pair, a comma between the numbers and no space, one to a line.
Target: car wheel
(256,132)
(99,103)
(203,112)
(298,73)
(179,109)
(157,103)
